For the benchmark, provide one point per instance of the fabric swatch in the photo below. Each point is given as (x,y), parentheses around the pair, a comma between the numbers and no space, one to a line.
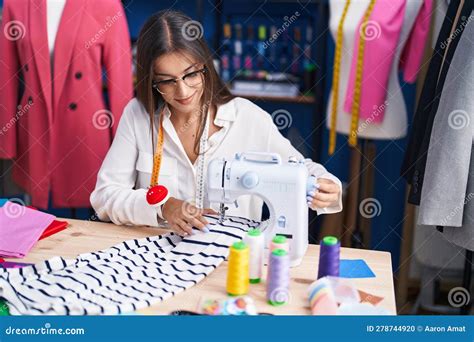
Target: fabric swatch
(20,229)
(366,297)
(354,268)
(10,264)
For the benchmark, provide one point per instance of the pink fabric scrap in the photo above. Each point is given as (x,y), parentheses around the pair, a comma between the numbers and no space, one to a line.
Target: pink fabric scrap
(20,228)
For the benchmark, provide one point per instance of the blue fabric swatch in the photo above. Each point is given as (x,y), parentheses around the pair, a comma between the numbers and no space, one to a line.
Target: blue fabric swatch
(3,201)
(354,268)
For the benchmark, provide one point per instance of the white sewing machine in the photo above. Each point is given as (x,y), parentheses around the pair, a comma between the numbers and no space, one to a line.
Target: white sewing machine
(282,185)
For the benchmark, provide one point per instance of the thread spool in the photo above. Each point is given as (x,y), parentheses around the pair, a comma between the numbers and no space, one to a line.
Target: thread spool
(238,270)
(311,187)
(311,184)
(329,257)
(278,277)
(256,241)
(322,300)
(279,242)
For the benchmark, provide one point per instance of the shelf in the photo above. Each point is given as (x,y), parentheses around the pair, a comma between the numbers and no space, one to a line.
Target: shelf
(303,99)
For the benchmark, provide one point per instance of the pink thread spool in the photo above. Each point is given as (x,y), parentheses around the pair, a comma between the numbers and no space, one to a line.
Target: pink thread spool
(279,242)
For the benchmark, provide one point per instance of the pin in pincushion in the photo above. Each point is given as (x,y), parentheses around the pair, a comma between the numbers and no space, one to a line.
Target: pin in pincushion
(157,195)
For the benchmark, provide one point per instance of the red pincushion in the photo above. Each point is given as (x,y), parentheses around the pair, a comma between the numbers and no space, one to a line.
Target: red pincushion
(157,195)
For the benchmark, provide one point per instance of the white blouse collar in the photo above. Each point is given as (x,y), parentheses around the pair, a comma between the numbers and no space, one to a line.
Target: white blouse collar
(225,112)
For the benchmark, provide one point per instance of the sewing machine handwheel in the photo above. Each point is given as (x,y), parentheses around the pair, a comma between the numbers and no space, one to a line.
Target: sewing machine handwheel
(250,180)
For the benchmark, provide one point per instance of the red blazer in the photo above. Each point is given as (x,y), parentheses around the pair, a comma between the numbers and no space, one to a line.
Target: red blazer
(58,132)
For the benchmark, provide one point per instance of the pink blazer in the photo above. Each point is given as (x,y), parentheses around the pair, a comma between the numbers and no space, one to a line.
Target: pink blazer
(58,132)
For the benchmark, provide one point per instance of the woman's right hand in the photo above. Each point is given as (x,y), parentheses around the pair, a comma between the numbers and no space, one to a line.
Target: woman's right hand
(182,216)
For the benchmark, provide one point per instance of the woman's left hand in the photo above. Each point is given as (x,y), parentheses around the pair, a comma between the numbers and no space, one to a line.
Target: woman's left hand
(325,196)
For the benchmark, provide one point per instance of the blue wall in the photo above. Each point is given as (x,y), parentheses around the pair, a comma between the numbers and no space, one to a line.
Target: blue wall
(389,187)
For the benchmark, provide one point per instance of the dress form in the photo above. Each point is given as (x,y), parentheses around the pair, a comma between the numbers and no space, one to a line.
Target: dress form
(394,125)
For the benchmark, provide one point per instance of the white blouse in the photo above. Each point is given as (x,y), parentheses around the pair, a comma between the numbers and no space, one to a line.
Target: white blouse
(123,179)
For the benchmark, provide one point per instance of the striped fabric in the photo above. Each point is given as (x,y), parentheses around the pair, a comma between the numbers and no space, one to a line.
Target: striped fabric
(131,275)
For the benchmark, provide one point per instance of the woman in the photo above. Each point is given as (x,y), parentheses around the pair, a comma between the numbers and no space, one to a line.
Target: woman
(178,86)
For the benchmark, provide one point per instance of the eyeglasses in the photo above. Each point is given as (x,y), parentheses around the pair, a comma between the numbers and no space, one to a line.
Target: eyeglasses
(192,79)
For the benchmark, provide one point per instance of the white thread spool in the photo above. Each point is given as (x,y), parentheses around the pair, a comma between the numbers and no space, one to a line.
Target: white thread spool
(255,241)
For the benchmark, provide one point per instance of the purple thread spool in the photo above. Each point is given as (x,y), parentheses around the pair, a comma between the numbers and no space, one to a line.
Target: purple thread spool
(278,278)
(329,257)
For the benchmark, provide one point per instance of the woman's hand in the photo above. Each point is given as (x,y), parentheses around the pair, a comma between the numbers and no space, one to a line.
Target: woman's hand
(325,196)
(182,216)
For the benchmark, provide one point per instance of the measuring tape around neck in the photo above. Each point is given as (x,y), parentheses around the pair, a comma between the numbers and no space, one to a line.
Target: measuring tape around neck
(200,179)
(358,78)
(158,194)
(336,78)
(355,110)
(157,155)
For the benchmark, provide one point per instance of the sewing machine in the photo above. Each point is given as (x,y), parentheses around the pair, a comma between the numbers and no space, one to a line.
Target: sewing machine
(282,185)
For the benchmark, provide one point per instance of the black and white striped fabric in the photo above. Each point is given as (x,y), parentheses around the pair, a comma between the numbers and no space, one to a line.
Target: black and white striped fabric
(131,275)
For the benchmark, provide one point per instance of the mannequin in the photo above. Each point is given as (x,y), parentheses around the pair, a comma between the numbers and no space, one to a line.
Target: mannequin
(392,29)
(394,125)
(54,123)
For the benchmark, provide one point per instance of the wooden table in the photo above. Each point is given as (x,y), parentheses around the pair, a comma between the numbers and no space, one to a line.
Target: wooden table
(88,236)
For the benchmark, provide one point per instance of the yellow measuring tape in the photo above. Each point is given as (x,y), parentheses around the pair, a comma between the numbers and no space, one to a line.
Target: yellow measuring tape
(358,79)
(157,155)
(335,78)
(200,182)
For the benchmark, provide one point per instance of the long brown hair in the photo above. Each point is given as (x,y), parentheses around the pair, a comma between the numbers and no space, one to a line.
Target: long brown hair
(172,31)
